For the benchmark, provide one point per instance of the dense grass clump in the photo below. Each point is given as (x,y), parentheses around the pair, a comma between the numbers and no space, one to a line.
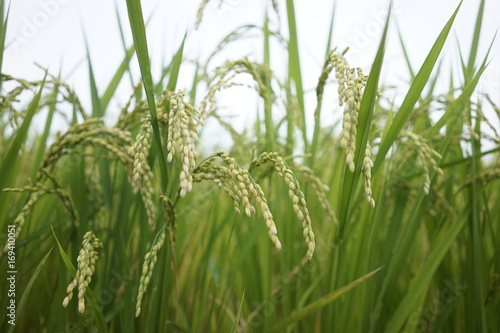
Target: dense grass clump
(389,223)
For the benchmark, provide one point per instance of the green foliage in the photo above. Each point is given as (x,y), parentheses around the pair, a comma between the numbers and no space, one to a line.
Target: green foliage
(146,218)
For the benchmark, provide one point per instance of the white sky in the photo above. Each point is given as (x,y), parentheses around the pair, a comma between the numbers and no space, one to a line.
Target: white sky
(50,33)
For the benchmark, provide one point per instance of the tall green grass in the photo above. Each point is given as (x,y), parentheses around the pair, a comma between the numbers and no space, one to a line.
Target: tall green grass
(424,259)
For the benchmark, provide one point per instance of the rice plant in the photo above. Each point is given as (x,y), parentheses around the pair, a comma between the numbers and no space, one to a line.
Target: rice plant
(388,222)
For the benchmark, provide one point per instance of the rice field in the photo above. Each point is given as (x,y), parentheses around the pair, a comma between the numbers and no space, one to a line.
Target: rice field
(386,221)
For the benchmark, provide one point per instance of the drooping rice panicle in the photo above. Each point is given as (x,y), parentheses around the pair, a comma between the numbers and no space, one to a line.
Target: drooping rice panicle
(484,177)
(320,189)
(467,123)
(225,73)
(328,66)
(221,177)
(36,192)
(93,134)
(141,172)
(240,186)
(427,156)
(242,178)
(495,107)
(86,267)
(268,218)
(295,194)
(434,234)
(238,34)
(351,82)
(147,270)
(182,133)
(199,16)
(367,174)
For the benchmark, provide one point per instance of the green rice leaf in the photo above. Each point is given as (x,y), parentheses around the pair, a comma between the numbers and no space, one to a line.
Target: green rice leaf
(234,327)
(320,303)
(444,241)
(367,107)
(117,78)
(64,256)
(176,65)
(29,286)
(4,20)
(137,26)
(294,68)
(413,94)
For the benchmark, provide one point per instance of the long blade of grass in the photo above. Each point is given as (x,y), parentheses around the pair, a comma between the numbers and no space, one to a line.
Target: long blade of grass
(434,81)
(476,261)
(317,112)
(194,85)
(268,116)
(124,43)
(320,303)
(405,53)
(475,42)
(234,327)
(444,241)
(176,65)
(29,286)
(136,21)
(46,131)
(413,94)
(330,29)
(459,103)
(475,277)
(367,108)
(117,78)
(64,256)
(98,112)
(3,24)
(407,238)
(294,70)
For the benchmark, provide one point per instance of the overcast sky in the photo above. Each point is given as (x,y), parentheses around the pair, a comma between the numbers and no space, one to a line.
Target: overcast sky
(51,33)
